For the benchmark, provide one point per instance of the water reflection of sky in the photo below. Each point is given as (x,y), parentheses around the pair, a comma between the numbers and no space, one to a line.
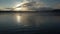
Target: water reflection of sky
(13,22)
(26,19)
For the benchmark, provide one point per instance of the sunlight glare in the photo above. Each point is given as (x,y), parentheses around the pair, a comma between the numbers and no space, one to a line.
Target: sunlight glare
(18,18)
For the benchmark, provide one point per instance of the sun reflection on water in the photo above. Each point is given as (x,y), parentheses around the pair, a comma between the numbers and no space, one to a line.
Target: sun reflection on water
(18,17)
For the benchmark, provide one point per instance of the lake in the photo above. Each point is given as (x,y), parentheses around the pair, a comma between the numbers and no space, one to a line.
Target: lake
(13,22)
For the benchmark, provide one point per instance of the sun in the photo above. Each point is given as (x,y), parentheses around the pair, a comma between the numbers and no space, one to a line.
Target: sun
(17,9)
(20,7)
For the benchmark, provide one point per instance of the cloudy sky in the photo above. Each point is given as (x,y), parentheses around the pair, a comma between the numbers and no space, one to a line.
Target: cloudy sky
(12,3)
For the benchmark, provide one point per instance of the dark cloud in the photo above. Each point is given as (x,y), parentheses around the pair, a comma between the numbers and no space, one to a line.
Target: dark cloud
(57,6)
(31,5)
(34,5)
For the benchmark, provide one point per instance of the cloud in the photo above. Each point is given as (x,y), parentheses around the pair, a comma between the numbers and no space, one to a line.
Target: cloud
(56,6)
(31,5)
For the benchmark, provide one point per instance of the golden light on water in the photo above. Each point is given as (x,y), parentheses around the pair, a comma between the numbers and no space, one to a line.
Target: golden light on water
(18,17)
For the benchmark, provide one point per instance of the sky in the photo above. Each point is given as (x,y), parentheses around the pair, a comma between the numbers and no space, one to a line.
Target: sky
(12,3)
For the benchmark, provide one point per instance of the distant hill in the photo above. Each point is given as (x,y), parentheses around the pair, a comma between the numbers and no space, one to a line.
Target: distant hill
(50,12)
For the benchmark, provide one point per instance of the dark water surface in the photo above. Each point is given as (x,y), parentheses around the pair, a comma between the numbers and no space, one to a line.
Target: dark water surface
(30,23)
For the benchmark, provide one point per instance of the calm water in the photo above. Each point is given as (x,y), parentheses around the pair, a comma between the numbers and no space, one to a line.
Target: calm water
(19,21)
